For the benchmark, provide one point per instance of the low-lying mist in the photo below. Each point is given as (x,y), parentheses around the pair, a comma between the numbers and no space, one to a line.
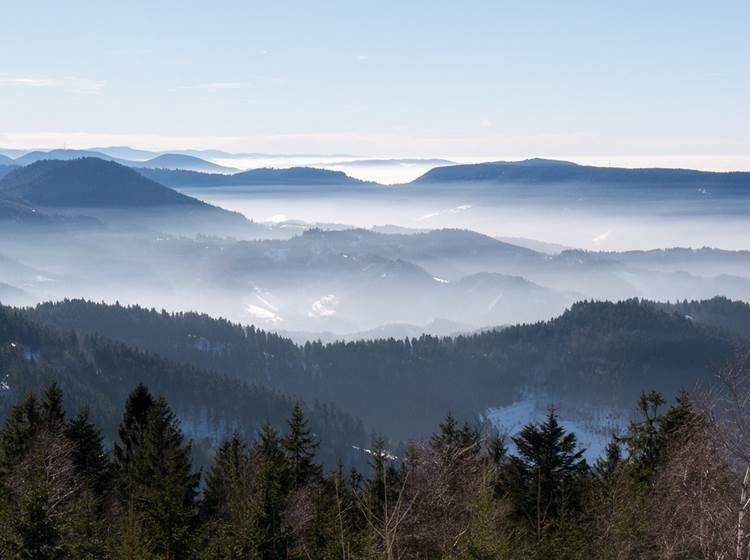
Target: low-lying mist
(636,221)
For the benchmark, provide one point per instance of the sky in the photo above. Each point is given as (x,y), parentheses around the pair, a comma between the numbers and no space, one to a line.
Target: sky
(635,83)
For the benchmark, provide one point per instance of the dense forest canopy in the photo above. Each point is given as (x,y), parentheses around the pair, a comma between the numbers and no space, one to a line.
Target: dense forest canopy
(98,373)
(597,352)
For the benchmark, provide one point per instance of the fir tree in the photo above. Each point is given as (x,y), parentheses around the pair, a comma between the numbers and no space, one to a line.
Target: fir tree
(53,413)
(18,433)
(131,431)
(89,457)
(39,537)
(163,484)
(300,446)
(272,481)
(543,479)
(643,438)
(226,479)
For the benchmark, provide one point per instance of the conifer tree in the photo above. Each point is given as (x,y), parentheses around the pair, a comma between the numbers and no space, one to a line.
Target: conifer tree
(272,482)
(542,481)
(89,457)
(300,446)
(18,433)
(39,537)
(226,479)
(607,466)
(163,484)
(643,439)
(53,414)
(130,432)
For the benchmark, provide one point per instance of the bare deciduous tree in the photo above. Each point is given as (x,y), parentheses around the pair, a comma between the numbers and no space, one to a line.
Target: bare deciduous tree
(727,409)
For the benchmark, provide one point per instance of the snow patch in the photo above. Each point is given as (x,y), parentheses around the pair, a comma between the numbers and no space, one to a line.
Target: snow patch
(455,210)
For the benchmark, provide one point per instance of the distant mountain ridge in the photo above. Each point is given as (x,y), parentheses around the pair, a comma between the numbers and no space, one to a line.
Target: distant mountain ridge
(263,176)
(181,161)
(161,161)
(542,171)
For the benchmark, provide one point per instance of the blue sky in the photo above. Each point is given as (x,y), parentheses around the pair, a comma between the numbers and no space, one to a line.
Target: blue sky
(629,81)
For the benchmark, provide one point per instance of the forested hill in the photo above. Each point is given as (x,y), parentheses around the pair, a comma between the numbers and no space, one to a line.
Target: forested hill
(732,316)
(264,176)
(597,353)
(89,182)
(552,172)
(98,373)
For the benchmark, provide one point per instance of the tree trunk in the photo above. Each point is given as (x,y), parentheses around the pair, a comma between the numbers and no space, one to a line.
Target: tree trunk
(741,514)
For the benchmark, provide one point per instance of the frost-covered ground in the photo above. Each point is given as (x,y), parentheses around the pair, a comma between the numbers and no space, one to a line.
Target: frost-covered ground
(593,427)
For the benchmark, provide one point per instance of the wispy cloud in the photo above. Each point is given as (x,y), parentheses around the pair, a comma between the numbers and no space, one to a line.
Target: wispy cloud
(67,83)
(361,57)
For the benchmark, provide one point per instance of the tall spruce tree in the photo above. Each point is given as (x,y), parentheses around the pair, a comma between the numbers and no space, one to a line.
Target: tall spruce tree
(543,479)
(91,461)
(131,431)
(227,478)
(18,433)
(163,484)
(300,445)
(272,483)
(53,413)
(643,439)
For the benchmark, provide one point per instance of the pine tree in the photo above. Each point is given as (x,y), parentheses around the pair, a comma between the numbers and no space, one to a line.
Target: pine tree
(39,538)
(131,431)
(53,413)
(543,480)
(18,433)
(89,457)
(643,438)
(300,446)
(226,480)
(673,425)
(272,482)
(447,433)
(606,467)
(163,484)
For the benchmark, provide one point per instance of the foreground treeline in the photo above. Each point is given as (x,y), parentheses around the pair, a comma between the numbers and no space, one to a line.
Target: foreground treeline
(664,489)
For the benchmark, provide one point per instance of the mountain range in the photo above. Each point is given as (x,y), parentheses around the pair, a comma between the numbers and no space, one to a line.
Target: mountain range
(187,169)
(265,176)
(162,161)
